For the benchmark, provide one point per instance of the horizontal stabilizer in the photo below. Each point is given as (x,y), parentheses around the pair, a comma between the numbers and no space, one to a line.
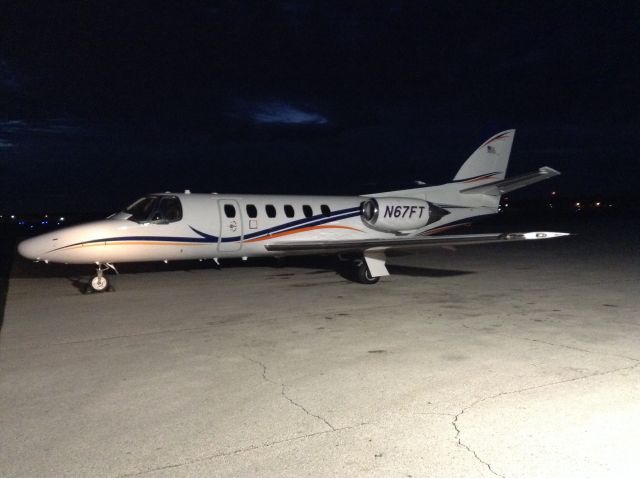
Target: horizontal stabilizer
(414,243)
(507,185)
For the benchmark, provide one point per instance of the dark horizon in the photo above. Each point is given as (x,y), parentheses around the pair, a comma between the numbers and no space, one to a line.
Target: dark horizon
(105,103)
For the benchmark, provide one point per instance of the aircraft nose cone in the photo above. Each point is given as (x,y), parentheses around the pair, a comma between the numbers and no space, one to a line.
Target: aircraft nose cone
(31,248)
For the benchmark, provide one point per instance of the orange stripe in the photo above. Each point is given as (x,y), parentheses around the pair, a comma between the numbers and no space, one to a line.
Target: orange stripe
(140,243)
(500,137)
(302,229)
(163,243)
(156,243)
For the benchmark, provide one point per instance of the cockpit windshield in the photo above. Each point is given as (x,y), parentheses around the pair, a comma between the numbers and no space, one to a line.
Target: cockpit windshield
(158,209)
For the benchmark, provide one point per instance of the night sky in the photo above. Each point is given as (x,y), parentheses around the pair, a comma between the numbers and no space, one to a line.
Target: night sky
(102,102)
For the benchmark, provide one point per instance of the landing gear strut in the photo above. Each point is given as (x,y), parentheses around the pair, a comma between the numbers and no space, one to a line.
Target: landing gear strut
(364,274)
(99,283)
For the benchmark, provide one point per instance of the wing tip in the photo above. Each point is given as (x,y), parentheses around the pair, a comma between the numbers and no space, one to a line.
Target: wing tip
(549,171)
(542,235)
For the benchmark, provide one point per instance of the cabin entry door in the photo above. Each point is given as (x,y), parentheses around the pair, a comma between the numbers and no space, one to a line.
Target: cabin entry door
(231,233)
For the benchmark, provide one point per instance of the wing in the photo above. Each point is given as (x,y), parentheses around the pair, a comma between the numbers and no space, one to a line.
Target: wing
(405,243)
(374,251)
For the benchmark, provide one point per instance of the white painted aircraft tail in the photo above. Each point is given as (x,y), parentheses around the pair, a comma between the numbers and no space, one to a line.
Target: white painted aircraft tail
(490,160)
(480,181)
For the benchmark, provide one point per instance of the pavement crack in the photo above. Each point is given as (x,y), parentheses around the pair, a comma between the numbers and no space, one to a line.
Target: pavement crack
(283,392)
(237,451)
(564,346)
(455,422)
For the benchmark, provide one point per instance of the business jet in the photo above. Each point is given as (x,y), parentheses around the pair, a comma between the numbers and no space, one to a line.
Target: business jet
(168,227)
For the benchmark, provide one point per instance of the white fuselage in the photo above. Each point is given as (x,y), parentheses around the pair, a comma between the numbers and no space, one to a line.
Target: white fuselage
(204,231)
(218,226)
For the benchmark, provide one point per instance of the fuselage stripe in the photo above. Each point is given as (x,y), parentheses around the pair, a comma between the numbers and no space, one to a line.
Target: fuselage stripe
(290,227)
(477,178)
(301,229)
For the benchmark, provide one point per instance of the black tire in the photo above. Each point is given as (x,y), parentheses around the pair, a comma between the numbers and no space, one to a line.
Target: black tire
(364,275)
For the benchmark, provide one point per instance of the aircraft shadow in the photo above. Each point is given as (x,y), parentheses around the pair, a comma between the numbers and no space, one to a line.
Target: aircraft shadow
(425,271)
(79,276)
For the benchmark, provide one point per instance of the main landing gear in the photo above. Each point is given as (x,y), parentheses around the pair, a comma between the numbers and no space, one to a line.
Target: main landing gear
(99,283)
(355,269)
(363,274)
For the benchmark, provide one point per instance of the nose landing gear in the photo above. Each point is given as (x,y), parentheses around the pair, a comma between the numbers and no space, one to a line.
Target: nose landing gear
(99,283)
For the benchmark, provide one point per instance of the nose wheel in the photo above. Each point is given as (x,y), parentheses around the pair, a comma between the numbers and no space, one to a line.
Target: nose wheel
(99,282)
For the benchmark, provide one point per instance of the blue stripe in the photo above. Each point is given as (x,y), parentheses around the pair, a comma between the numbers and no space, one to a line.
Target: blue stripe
(210,239)
(476,177)
(310,221)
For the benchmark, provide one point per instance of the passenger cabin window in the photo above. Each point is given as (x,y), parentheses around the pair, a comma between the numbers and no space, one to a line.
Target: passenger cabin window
(252,212)
(271,210)
(158,209)
(306,209)
(288,210)
(229,210)
(325,210)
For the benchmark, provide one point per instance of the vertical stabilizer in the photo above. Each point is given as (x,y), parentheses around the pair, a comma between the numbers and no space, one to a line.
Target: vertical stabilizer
(489,161)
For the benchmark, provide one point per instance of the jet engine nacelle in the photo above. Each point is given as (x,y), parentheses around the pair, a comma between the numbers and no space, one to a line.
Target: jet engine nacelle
(395,214)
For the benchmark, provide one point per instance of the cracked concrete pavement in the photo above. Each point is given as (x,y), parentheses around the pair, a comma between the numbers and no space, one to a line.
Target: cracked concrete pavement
(518,361)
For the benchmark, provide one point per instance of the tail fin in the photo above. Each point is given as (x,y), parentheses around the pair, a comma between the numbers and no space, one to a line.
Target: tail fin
(489,161)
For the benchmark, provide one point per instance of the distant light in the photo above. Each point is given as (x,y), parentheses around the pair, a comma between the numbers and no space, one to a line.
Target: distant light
(610,205)
(578,204)
(46,215)
(598,204)
(553,193)
(62,219)
(506,205)
(13,216)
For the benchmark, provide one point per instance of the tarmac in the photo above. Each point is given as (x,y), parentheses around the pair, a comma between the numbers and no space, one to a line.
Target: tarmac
(517,360)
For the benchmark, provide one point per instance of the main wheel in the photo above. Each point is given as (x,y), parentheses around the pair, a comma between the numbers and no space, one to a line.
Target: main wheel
(99,283)
(364,275)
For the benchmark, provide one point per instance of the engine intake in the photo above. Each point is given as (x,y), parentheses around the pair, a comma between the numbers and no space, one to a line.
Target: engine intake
(395,214)
(399,214)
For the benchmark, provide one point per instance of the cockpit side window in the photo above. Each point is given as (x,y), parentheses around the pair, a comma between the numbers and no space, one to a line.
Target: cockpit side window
(162,209)
(142,209)
(170,209)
